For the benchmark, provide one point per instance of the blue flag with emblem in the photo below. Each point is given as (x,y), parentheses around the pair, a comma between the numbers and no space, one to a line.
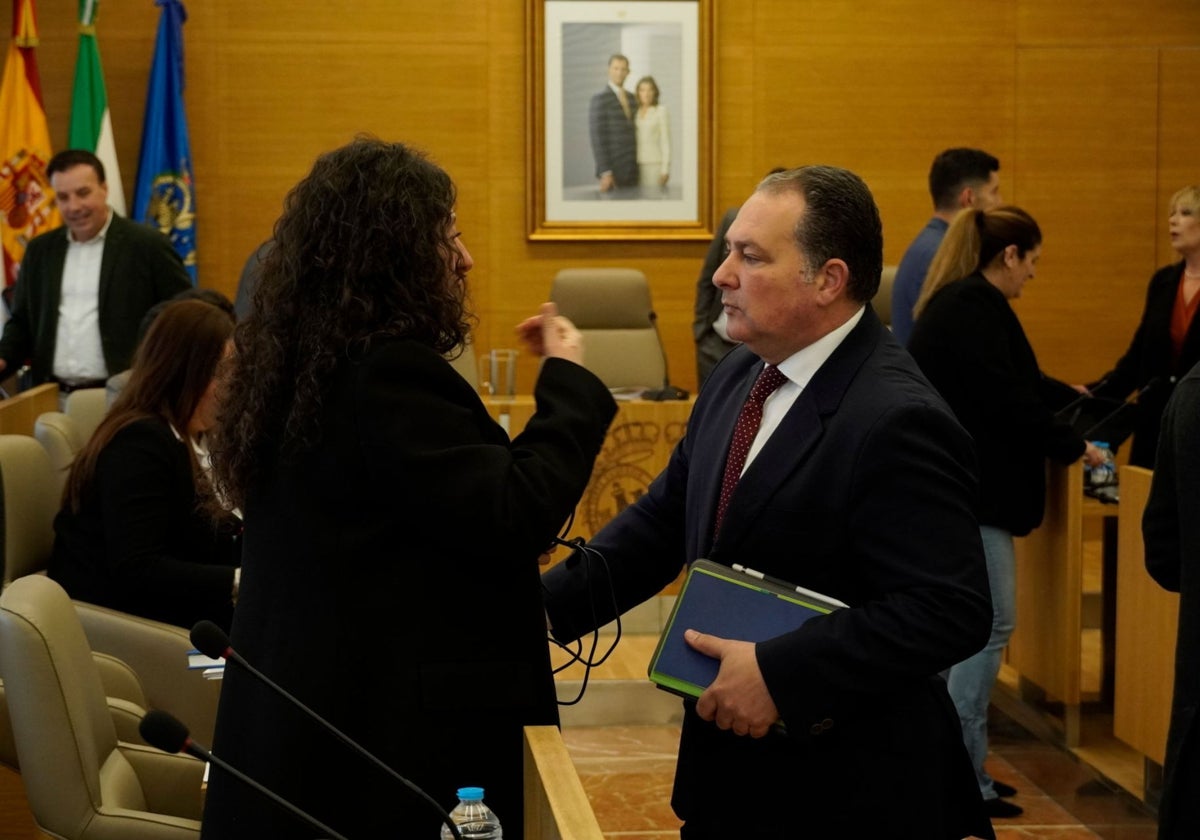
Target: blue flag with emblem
(164,195)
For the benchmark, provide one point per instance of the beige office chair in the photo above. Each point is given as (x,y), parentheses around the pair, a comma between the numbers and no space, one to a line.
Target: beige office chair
(28,503)
(82,782)
(59,435)
(87,408)
(465,363)
(611,307)
(882,302)
(155,652)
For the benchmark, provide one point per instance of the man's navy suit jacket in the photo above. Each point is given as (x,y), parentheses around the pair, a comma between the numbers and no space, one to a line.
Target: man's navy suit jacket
(864,492)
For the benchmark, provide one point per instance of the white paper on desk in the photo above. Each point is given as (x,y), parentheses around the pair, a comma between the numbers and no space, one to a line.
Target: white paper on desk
(627,393)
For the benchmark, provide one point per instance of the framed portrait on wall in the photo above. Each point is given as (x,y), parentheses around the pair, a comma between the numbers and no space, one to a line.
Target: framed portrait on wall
(620,119)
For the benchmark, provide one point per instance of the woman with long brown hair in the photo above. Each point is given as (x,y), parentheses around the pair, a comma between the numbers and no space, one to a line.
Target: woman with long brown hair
(968,341)
(136,531)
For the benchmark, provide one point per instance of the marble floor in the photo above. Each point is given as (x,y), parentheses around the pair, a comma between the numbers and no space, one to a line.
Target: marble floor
(626,764)
(627,772)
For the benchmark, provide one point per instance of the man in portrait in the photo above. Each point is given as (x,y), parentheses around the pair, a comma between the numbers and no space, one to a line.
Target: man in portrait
(613,131)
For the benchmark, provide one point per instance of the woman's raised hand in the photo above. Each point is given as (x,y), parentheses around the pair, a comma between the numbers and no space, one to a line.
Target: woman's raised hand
(551,335)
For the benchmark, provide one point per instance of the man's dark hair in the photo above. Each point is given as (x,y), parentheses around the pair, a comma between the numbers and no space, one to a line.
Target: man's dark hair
(840,220)
(70,158)
(954,169)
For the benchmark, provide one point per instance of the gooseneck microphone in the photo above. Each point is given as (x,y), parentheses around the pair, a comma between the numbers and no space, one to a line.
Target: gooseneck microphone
(166,732)
(667,391)
(213,642)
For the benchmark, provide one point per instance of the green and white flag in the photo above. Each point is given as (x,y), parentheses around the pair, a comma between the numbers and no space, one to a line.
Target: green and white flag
(91,124)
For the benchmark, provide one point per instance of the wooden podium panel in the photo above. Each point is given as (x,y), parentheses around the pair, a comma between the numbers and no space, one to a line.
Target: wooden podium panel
(637,448)
(1147,619)
(18,413)
(556,805)
(1047,646)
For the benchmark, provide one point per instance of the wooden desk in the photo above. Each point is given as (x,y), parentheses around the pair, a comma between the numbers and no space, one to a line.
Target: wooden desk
(18,413)
(1046,647)
(637,448)
(556,805)
(1147,619)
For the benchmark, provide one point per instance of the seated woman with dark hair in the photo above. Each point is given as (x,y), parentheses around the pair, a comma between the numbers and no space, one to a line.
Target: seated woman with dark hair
(138,530)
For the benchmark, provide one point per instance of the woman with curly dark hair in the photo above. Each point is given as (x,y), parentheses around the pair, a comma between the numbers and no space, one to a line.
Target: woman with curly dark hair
(392,530)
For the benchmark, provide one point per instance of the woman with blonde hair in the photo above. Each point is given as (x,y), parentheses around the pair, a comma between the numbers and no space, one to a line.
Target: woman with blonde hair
(968,341)
(1167,342)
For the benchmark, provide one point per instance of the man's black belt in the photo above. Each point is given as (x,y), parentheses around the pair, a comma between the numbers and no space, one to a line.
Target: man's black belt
(68,387)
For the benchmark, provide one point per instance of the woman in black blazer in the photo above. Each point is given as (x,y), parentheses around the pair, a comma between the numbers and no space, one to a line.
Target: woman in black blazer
(1167,342)
(393,530)
(968,341)
(137,531)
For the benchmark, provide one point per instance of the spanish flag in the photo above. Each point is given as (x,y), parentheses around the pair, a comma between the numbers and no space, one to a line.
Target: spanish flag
(27,205)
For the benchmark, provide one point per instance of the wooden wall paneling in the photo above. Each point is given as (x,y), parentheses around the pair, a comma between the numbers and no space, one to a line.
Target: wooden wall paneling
(870,26)
(419,21)
(282,105)
(270,86)
(885,118)
(1178,128)
(504,278)
(1108,23)
(1086,169)
(737,170)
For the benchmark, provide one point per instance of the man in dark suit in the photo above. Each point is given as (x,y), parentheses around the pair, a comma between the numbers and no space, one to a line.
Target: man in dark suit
(614,134)
(859,484)
(1171,531)
(709,321)
(83,288)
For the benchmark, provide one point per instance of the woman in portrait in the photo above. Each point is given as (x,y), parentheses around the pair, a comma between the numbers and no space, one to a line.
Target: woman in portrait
(968,341)
(1166,343)
(653,139)
(392,529)
(137,531)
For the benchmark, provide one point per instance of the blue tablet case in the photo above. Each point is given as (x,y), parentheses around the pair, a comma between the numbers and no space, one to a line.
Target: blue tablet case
(731,604)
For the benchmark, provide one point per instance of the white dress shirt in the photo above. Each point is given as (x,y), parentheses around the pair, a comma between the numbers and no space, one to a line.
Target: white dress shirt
(78,354)
(799,368)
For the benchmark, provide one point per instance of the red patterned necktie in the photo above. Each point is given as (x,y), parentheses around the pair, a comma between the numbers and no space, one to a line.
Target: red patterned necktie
(743,435)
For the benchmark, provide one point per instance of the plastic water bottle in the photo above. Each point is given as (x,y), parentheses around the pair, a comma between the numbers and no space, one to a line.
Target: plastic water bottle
(475,820)
(1105,472)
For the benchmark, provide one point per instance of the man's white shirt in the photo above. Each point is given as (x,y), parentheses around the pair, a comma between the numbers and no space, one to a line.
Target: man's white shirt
(78,353)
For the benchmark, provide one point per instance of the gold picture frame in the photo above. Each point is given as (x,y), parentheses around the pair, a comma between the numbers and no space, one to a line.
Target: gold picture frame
(571,45)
